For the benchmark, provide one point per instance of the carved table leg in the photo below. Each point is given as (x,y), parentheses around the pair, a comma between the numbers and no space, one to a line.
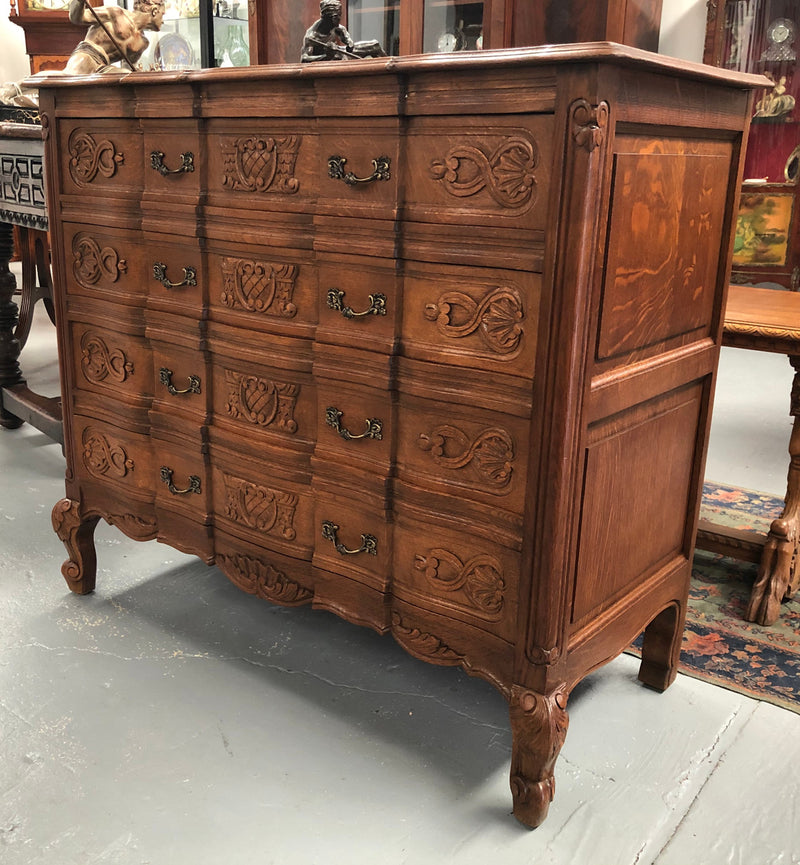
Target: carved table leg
(538,727)
(661,648)
(9,346)
(77,533)
(778,572)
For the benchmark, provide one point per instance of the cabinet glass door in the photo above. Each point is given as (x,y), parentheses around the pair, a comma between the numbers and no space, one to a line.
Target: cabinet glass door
(452,26)
(368,19)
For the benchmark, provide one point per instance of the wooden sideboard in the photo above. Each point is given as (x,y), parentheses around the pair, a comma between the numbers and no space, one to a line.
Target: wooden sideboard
(426,342)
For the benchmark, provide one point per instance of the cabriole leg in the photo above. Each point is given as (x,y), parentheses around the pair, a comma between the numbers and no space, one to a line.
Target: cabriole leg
(77,533)
(538,727)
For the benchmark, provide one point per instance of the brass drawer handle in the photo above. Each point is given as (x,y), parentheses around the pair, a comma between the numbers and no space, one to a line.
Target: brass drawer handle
(380,170)
(194,483)
(165,376)
(369,543)
(377,304)
(374,430)
(157,163)
(160,273)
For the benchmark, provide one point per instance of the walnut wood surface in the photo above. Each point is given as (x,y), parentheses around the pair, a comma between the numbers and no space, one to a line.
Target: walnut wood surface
(464,402)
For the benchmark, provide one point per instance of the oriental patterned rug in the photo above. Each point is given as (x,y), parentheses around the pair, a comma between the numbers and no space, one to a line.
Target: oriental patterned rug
(719,646)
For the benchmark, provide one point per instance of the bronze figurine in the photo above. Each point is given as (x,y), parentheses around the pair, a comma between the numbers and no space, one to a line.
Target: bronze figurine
(327,39)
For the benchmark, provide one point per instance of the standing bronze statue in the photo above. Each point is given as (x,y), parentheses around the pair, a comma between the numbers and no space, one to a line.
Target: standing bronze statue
(327,39)
(114,34)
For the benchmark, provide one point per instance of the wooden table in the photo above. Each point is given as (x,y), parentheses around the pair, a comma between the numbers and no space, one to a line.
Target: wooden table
(22,204)
(764,319)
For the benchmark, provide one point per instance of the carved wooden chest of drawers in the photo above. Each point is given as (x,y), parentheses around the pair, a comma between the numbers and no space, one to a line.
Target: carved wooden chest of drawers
(426,342)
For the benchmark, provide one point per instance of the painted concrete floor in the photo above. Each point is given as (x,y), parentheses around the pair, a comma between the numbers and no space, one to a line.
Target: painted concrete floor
(170,719)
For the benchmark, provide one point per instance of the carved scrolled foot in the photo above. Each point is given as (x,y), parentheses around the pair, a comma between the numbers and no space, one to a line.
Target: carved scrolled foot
(539,726)
(661,648)
(774,573)
(77,533)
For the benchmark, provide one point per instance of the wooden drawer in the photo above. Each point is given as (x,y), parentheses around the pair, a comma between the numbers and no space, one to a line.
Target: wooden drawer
(359,167)
(173,154)
(359,301)
(353,538)
(104,263)
(265,289)
(463,451)
(473,317)
(457,574)
(111,455)
(181,477)
(181,383)
(267,504)
(101,158)
(479,170)
(255,165)
(175,274)
(115,365)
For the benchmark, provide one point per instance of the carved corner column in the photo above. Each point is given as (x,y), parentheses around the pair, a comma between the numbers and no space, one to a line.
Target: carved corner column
(538,728)
(10,373)
(77,533)
(779,571)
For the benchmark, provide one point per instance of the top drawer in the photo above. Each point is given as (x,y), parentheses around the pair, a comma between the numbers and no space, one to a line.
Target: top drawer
(101,157)
(480,170)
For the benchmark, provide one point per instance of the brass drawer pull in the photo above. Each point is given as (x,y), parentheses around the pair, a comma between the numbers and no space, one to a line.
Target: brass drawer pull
(157,163)
(165,376)
(194,483)
(369,543)
(374,430)
(160,273)
(380,170)
(377,304)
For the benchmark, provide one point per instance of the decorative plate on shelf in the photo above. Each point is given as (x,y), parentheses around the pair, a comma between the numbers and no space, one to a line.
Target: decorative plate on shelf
(173,52)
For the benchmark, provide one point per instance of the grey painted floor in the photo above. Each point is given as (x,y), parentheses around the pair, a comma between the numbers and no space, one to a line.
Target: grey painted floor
(169,718)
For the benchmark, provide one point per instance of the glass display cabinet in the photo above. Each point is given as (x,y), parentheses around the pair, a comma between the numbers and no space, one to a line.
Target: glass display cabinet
(762,36)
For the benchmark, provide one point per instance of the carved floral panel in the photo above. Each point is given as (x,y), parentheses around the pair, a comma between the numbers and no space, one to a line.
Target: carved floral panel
(89,157)
(254,164)
(478,583)
(259,507)
(261,401)
(489,455)
(100,362)
(104,456)
(259,286)
(92,262)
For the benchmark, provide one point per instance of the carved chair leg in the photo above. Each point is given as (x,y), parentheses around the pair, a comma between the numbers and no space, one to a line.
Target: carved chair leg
(661,648)
(779,571)
(538,726)
(77,533)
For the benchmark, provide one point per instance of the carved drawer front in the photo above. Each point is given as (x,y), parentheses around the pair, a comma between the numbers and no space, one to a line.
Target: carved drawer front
(355,428)
(107,454)
(359,168)
(472,317)
(456,574)
(463,452)
(105,263)
(264,289)
(480,171)
(262,402)
(263,505)
(101,158)
(175,275)
(352,538)
(113,364)
(262,165)
(359,302)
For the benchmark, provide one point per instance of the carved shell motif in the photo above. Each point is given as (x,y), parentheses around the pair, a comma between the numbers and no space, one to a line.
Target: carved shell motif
(496,318)
(507,173)
(490,454)
(479,580)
